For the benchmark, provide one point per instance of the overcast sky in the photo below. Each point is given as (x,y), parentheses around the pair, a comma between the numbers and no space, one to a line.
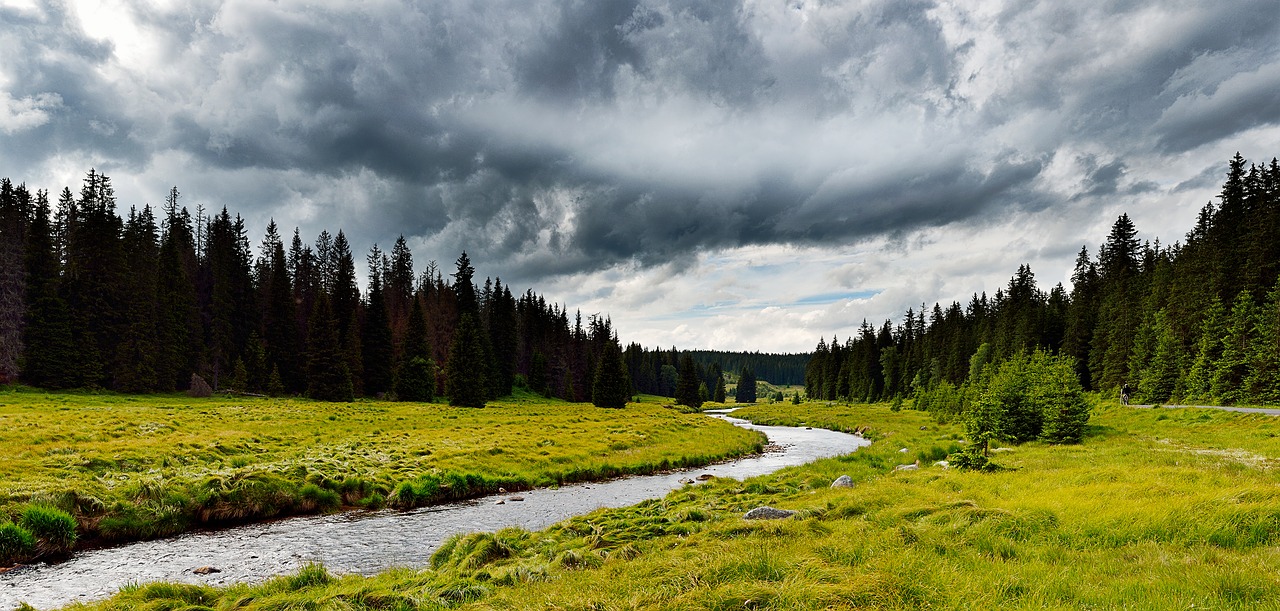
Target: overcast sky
(731,175)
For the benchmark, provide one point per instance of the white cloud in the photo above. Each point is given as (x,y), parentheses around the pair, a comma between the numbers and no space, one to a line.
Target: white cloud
(28,112)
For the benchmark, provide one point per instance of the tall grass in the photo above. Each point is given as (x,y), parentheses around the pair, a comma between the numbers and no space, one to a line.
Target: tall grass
(139,467)
(1157,509)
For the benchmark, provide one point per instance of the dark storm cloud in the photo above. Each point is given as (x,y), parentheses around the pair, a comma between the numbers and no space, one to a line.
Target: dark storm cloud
(50,56)
(554,137)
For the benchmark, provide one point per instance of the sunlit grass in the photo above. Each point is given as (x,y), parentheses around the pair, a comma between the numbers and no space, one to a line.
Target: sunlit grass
(132,467)
(1157,509)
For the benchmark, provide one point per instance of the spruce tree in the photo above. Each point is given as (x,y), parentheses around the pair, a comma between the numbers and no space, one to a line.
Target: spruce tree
(177,316)
(51,351)
(345,292)
(611,387)
(135,367)
(376,344)
(718,394)
(746,392)
(1262,383)
(327,376)
(687,383)
(1198,383)
(416,376)
(13,282)
(280,321)
(1232,367)
(467,369)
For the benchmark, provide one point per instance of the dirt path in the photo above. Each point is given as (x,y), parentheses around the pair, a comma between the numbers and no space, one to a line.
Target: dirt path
(1271,411)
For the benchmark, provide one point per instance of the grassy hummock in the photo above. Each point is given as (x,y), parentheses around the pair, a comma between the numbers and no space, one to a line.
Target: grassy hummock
(1156,509)
(137,467)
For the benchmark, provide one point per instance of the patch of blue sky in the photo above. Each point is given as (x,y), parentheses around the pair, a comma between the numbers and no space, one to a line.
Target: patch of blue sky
(825,298)
(704,310)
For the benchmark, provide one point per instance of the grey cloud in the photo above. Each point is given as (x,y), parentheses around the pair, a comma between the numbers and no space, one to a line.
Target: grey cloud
(51,55)
(1241,102)
(477,125)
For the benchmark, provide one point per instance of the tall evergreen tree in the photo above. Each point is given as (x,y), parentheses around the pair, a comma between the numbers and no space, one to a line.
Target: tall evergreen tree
(746,392)
(611,388)
(13,282)
(135,367)
(376,343)
(327,376)
(51,352)
(93,277)
(1231,369)
(178,332)
(345,293)
(687,383)
(467,375)
(416,376)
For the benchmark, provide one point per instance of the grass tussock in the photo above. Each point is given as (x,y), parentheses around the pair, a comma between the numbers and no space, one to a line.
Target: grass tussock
(1157,509)
(103,467)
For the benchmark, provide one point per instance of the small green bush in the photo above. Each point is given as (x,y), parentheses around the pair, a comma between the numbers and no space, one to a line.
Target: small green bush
(16,543)
(55,529)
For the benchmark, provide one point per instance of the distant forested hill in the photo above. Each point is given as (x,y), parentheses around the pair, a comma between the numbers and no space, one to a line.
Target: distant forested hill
(1194,321)
(779,369)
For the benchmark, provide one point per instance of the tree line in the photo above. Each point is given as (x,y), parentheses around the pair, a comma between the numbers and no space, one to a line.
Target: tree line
(140,303)
(1197,321)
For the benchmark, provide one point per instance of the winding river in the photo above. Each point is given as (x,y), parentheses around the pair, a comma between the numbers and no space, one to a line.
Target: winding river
(370,542)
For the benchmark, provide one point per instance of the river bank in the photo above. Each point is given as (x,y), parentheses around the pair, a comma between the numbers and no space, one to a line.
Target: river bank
(367,543)
(129,468)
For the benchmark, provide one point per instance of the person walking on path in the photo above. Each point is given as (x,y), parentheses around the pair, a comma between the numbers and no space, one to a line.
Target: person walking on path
(1124,394)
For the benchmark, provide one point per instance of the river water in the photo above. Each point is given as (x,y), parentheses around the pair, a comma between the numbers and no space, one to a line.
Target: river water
(368,542)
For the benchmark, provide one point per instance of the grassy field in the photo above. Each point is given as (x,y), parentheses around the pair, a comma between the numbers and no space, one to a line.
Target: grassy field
(131,467)
(1159,509)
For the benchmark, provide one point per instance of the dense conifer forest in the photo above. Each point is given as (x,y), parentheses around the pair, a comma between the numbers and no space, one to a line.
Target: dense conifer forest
(140,303)
(1197,321)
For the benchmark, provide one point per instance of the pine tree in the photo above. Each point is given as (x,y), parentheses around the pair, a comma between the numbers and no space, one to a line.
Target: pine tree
(345,292)
(93,279)
(1232,367)
(327,376)
(467,370)
(177,316)
(416,376)
(52,359)
(1158,380)
(611,388)
(279,325)
(13,282)
(377,343)
(1199,380)
(718,395)
(134,365)
(687,383)
(1262,382)
(746,392)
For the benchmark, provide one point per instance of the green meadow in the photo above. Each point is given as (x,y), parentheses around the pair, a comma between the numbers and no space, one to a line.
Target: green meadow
(136,467)
(1159,509)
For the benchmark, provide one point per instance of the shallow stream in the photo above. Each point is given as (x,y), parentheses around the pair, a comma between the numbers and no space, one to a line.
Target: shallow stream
(368,542)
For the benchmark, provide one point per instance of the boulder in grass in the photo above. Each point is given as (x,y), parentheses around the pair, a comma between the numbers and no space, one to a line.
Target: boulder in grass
(844,481)
(199,387)
(768,513)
